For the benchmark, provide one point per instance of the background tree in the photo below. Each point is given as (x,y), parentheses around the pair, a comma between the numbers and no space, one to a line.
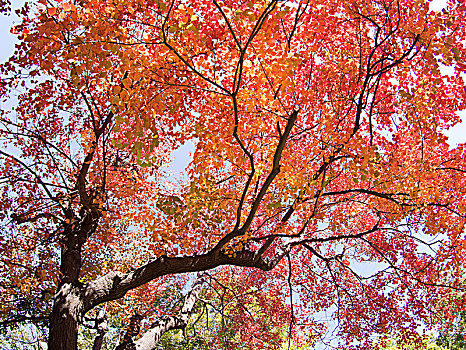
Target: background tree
(452,325)
(427,343)
(317,128)
(453,337)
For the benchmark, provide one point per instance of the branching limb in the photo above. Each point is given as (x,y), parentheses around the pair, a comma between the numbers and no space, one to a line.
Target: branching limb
(101,325)
(150,339)
(273,173)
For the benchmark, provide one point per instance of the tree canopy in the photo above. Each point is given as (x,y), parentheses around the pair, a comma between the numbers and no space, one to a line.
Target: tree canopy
(320,181)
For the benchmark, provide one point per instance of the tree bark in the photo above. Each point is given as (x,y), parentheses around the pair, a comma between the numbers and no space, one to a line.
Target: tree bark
(116,284)
(67,309)
(151,338)
(101,325)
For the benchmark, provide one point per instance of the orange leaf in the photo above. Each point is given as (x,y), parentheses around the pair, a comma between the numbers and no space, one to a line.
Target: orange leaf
(67,6)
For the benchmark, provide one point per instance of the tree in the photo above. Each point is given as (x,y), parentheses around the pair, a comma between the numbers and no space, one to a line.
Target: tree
(452,326)
(235,313)
(427,344)
(317,128)
(453,337)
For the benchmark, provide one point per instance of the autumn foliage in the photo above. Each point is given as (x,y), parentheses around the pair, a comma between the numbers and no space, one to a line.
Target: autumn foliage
(319,166)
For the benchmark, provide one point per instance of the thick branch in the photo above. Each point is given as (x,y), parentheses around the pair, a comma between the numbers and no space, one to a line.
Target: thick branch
(114,285)
(150,339)
(101,325)
(81,181)
(273,173)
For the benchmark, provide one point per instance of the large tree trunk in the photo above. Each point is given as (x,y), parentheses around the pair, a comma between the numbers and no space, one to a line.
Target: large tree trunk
(67,309)
(68,306)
